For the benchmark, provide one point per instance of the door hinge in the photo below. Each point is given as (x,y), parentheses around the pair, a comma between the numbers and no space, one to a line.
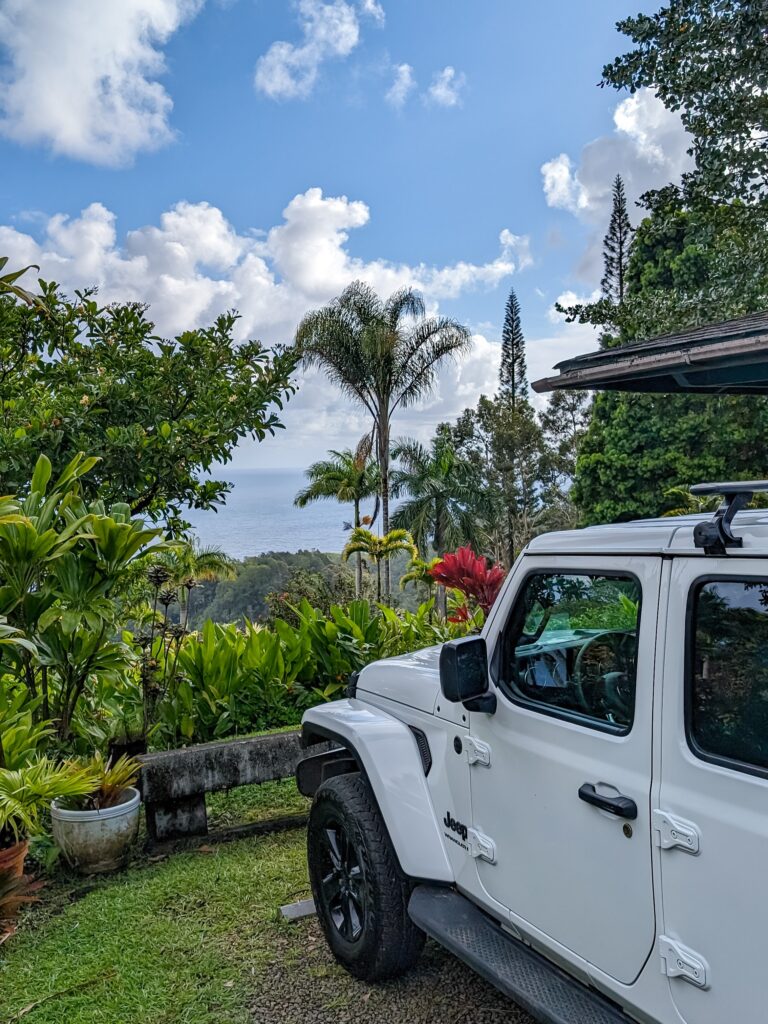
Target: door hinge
(477,751)
(670,831)
(481,846)
(677,961)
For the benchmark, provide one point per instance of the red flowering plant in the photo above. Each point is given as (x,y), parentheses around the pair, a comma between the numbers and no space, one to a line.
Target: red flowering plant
(471,575)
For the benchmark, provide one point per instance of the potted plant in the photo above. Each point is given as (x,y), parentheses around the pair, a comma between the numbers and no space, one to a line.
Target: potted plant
(95,830)
(26,793)
(14,892)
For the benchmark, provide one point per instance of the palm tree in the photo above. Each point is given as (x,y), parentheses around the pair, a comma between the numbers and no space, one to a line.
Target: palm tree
(348,477)
(444,500)
(378,549)
(384,354)
(189,564)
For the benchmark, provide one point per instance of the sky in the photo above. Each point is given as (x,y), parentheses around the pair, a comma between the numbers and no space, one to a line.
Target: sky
(203,155)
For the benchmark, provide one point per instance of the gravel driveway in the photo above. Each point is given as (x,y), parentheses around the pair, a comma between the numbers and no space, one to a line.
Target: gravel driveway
(304,985)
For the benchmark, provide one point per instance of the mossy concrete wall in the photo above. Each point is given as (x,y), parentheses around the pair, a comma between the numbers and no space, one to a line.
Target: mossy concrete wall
(174,782)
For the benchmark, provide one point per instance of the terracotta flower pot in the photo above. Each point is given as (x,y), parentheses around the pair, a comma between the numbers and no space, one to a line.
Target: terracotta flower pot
(12,858)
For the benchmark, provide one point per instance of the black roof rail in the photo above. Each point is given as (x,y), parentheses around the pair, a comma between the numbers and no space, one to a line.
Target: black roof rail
(715,536)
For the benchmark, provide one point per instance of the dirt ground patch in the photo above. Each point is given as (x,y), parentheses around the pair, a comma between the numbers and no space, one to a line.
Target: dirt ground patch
(304,985)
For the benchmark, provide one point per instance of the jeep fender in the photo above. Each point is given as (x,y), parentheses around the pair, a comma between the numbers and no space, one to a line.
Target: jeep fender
(386,752)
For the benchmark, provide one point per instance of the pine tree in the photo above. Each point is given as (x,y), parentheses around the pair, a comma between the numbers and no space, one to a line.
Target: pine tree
(513,379)
(616,246)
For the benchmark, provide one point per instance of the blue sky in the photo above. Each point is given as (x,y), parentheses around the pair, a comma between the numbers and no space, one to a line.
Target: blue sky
(259,154)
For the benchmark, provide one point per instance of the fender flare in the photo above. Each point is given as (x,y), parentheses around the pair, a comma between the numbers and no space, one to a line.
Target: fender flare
(386,752)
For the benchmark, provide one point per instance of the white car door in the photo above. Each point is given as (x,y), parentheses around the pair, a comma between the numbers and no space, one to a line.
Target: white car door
(573,662)
(712,814)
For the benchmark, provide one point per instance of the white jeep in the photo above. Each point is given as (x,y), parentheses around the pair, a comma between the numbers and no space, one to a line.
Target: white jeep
(574,803)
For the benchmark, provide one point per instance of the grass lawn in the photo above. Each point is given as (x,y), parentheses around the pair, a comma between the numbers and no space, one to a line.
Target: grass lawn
(177,940)
(195,938)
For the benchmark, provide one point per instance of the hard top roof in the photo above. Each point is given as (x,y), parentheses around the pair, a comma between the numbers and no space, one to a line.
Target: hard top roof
(670,535)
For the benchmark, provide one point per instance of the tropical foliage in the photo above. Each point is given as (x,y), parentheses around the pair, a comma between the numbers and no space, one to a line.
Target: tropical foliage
(378,550)
(62,563)
(349,478)
(441,508)
(382,353)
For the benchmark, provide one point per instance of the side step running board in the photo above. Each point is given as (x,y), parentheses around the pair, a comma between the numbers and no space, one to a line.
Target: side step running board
(548,994)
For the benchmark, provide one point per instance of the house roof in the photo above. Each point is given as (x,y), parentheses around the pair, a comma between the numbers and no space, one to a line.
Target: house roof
(725,358)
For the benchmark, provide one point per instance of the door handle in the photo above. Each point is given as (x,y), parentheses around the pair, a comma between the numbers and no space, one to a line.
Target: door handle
(621,806)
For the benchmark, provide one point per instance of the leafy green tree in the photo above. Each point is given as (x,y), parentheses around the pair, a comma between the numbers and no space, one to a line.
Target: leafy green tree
(382,353)
(379,549)
(440,511)
(708,60)
(691,263)
(616,246)
(564,421)
(513,374)
(347,477)
(157,414)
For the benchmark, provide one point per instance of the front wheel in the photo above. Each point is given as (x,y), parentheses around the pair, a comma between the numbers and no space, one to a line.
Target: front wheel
(360,893)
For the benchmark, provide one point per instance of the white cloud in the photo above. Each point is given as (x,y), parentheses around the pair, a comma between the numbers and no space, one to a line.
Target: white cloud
(403,85)
(330,30)
(446,87)
(647,148)
(373,9)
(562,187)
(81,77)
(193,264)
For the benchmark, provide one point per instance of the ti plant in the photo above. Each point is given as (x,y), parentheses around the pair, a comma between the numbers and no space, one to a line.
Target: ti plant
(110,781)
(62,564)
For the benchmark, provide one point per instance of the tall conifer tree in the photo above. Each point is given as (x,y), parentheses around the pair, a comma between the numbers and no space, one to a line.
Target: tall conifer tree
(616,246)
(513,377)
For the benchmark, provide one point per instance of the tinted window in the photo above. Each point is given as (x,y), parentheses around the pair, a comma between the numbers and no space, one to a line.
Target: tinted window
(728,699)
(571,646)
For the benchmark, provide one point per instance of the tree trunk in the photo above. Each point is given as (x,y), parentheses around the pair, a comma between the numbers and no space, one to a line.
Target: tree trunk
(383,434)
(378,581)
(358,558)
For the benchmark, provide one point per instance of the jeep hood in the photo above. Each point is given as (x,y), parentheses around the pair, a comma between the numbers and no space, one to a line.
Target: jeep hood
(412,679)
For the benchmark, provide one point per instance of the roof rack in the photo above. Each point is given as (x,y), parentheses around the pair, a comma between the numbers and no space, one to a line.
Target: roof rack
(715,536)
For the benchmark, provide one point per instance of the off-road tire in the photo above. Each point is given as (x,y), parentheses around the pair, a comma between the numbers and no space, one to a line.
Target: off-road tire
(389,943)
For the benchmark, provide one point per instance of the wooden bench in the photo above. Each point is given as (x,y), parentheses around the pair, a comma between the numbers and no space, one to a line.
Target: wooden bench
(174,782)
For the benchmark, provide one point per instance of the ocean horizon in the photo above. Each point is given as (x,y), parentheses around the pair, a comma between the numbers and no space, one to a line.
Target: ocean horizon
(260,516)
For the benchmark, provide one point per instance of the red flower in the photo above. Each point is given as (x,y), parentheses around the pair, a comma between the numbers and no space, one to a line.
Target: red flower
(469,573)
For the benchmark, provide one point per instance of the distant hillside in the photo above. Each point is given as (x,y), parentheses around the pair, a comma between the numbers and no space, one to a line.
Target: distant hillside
(245,597)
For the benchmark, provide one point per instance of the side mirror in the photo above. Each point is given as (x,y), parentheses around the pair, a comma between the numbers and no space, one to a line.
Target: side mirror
(464,674)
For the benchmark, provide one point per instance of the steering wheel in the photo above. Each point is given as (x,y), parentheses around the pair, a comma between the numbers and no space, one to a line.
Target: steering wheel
(612,677)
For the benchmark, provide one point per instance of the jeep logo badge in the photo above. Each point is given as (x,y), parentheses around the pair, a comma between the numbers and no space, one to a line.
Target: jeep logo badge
(455,826)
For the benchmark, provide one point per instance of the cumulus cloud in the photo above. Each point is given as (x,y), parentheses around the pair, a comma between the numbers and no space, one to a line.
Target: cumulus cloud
(648,147)
(288,71)
(446,88)
(402,86)
(194,263)
(81,77)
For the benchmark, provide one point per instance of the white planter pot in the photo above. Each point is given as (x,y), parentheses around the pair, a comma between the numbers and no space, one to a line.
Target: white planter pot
(93,842)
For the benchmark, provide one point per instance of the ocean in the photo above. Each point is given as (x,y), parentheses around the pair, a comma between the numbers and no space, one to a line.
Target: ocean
(260,516)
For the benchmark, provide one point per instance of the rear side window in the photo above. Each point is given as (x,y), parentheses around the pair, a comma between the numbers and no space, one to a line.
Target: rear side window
(728,672)
(570,647)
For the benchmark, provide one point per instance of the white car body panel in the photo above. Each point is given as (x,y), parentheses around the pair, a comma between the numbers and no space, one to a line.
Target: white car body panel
(390,757)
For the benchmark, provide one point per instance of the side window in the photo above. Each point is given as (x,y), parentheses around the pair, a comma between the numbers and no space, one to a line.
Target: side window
(570,647)
(728,671)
